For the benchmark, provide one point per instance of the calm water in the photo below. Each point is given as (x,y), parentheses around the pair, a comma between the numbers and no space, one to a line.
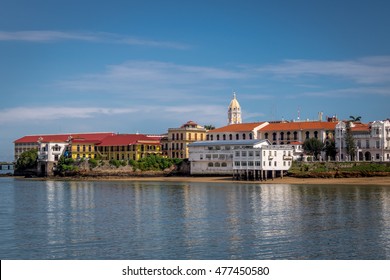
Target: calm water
(160,220)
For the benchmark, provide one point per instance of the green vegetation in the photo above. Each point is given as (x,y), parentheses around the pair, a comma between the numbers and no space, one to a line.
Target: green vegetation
(93,163)
(154,162)
(66,165)
(117,163)
(27,160)
(338,169)
(350,142)
(313,146)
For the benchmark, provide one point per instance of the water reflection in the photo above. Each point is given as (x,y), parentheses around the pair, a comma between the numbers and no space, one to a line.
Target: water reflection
(157,220)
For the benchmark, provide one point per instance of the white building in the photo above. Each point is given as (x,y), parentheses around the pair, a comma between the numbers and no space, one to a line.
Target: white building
(48,155)
(262,162)
(217,157)
(372,141)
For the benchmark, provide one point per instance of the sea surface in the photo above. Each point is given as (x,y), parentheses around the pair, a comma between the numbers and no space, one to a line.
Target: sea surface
(182,220)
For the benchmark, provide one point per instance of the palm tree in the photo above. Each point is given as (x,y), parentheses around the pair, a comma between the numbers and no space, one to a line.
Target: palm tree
(355,119)
(209,127)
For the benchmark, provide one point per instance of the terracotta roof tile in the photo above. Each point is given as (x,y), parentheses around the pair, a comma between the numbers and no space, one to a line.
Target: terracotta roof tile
(237,127)
(128,139)
(300,126)
(63,137)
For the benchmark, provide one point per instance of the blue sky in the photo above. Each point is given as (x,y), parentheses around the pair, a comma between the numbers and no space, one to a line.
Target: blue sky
(145,66)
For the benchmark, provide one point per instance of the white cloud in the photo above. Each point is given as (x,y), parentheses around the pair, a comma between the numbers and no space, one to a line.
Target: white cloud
(154,79)
(368,70)
(42,36)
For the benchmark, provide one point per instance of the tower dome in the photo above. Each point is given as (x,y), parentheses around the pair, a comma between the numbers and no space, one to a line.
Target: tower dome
(234,111)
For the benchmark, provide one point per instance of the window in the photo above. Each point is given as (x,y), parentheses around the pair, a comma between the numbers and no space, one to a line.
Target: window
(224,137)
(224,164)
(173,136)
(243,153)
(284,163)
(237,137)
(181,136)
(250,136)
(215,156)
(378,144)
(189,136)
(257,153)
(211,137)
(56,157)
(243,136)
(78,148)
(307,134)
(210,164)
(237,153)
(270,163)
(208,156)
(200,156)
(243,163)
(236,163)
(250,163)
(218,137)
(275,153)
(316,134)
(377,156)
(257,163)
(89,148)
(295,135)
(217,164)
(275,163)
(367,144)
(250,153)
(266,135)
(274,136)
(230,137)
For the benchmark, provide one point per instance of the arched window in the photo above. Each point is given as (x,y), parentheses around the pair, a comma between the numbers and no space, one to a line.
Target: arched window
(307,134)
(210,164)
(274,136)
(266,135)
(224,137)
(316,134)
(211,137)
(243,136)
(230,137)
(281,135)
(295,135)
(288,135)
(217,137)
(250,136)
(237,136)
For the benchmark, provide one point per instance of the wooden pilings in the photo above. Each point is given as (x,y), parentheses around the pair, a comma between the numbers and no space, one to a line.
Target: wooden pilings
(256,175)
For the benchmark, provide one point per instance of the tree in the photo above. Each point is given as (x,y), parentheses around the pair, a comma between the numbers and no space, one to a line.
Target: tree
(27,160)
(350,142)
(209,127)
(330,149)
(313,146)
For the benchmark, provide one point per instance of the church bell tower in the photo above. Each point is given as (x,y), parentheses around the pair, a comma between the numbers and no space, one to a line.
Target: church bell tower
(234,111)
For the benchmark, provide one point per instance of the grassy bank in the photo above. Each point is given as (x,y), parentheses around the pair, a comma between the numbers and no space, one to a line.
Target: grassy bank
(338,169)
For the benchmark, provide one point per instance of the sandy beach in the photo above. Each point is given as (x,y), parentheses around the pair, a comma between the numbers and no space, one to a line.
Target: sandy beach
(384,181)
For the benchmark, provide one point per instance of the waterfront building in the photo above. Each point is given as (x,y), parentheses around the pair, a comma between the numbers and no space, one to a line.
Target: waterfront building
(49,152)
(175,144)
(29,142)
(234,111)
(128,146)
(262,161)
(217,157)
(372,140)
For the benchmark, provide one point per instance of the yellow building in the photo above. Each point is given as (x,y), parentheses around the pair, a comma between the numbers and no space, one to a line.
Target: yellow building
(176,143)
(128,146)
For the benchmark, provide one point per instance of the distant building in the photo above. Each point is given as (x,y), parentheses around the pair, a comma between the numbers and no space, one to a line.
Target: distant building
(235,132)
(372,140)
(234,111)
(217,157)
(128,146)
(29,142)
(175,143)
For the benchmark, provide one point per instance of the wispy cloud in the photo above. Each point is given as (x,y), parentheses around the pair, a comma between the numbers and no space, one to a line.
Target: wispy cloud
(154,79)
(201,113)
(368,70)
(45,36)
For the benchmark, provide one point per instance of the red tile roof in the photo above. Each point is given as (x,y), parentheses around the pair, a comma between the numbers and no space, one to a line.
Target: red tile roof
(300,126)
(361,127)
(237,127)
(129,139)
(63,137)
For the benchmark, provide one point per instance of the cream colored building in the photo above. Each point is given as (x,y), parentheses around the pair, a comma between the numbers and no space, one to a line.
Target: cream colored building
(175,145)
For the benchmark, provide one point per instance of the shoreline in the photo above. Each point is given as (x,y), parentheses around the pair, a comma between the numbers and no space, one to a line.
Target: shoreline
(227,179)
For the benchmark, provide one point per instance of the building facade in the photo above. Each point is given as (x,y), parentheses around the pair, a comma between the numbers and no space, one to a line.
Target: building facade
(372,141)
(262,162)
(175,144)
